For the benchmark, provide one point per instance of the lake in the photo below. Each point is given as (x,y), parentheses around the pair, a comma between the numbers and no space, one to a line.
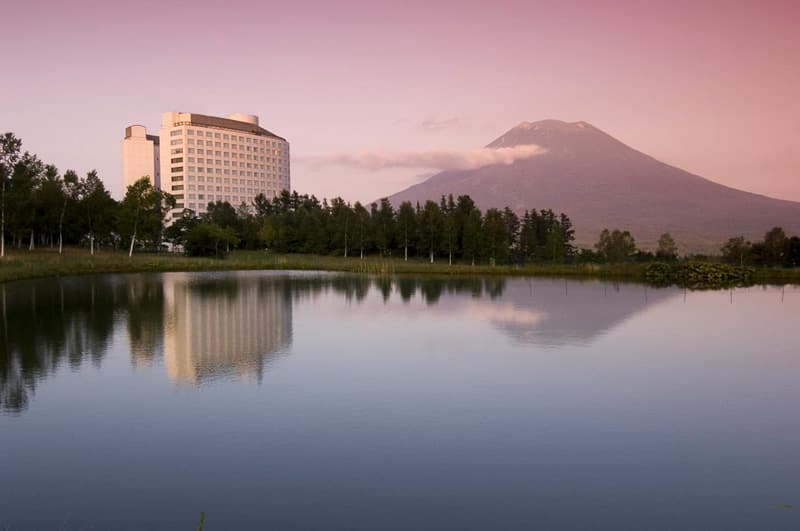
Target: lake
(275,400)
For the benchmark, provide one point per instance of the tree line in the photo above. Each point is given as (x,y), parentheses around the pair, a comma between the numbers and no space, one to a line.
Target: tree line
(453,229)
(41,207)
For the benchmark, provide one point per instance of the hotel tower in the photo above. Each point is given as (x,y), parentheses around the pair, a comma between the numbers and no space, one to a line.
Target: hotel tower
(201,159)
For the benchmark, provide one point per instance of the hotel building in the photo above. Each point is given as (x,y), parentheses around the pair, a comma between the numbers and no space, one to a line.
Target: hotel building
(203,159)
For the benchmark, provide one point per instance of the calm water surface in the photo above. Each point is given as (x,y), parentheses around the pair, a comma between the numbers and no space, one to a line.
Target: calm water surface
(321,401)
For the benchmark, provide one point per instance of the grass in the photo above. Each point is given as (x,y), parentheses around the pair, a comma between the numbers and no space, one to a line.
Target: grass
(18,265)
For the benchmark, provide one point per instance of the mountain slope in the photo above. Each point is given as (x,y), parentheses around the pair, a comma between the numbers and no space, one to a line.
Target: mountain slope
(600,182)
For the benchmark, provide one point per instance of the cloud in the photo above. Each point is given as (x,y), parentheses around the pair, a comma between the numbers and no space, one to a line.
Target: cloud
(438,160)
(439,125)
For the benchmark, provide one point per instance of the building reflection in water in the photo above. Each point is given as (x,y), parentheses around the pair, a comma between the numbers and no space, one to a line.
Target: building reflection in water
(231,325)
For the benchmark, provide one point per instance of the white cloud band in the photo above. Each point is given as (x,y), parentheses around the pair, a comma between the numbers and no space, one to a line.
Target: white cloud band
(439,160)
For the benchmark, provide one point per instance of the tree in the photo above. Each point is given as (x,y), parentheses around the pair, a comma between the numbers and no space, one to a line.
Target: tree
(10,147)
(383,222)
(430,226)
(471,235)
(616,246)
(406,225)
(494,236)
(736,250)
(209,239)
(362,218)
(97,205)
(69,191)
(142,212)
(774,246)
(667,248)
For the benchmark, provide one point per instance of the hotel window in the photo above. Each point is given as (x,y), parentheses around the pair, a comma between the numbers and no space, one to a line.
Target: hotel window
(218,171)
(218,153)
(191,159)
(175,132)
(177,151)
(177,187)
(189,141)
(177,178)
(190,132)
(241,139)
(177,169)
(192,196)
(217,144)
(226,172)
(208,134)
(216,135)
(227,181)
(176,160)
(191,187)
(190,150)
(218,162)
(201,187)
(199,169)
(200,151)
(210,170)
(219,188)
(176,142)
(219,179)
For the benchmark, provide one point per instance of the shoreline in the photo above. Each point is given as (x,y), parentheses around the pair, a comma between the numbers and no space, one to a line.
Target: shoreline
(26,265)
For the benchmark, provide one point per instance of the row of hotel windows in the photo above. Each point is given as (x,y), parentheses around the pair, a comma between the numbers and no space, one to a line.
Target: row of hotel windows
(219,180)
(227,154)
(176,160)
(225,145)
(241,173)
(224,136)
(179,160)
(227,189)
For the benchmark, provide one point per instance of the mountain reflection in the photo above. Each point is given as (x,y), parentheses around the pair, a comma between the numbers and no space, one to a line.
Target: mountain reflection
(205,326)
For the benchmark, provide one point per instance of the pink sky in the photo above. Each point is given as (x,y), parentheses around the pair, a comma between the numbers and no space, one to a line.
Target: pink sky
(712,87)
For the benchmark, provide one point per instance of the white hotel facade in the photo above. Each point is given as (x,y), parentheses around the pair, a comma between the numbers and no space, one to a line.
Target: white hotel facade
(201,159)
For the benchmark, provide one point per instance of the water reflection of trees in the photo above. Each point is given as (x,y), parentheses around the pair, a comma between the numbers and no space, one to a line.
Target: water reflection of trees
(67,323)
(50,323)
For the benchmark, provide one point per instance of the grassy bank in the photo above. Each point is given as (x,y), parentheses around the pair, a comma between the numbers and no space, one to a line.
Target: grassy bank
(20,265)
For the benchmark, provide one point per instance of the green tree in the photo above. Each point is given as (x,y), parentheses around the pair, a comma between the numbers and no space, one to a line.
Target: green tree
(10,147)
(774,246)
(97,206)
(494,236)
(736,250)
(616,246)
(361,216)
(430,225)
(471,234)
(667,248)
(406,225)
(142,212)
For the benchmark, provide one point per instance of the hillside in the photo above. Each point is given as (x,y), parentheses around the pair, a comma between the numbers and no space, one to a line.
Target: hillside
(601,182)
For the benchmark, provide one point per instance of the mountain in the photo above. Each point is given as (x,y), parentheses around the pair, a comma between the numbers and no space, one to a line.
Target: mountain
(601,182)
